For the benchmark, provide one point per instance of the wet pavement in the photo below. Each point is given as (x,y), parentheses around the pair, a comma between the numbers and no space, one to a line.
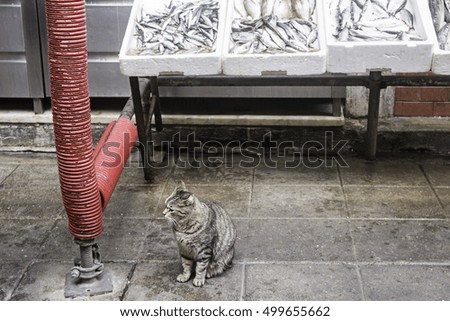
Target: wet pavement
(369,231)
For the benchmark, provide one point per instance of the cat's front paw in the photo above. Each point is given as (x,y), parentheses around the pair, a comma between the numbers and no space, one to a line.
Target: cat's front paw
(198,281)
(182,278)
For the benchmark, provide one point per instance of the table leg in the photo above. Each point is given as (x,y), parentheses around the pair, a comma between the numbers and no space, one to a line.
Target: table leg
(157,109)
(375,85)
(141,126)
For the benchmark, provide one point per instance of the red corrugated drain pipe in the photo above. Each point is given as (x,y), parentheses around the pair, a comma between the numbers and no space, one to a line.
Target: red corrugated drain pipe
(86,185)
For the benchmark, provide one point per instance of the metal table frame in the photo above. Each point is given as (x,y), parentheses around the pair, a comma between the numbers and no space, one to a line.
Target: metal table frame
(147,105)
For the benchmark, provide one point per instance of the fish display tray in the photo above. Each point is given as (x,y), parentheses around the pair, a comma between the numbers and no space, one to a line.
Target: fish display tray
(302,63)
(189,64)
(394,56)
(441,58)
(441,61)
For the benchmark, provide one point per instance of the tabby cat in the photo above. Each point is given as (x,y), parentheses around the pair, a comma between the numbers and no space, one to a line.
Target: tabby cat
(204,232)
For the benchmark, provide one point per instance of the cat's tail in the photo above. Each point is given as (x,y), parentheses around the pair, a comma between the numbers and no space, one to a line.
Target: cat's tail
(217,267)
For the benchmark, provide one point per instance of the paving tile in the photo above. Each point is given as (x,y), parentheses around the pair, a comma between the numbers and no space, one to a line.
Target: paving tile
(45,281)
(9,158)
(31,201)
(298,240)
(160,244)
(10,274)
(395,202)
(300,175)
(32,191)
(121,239)
(406,283)
(414,241)
(207,175)
(28,158)
(132,201)
(302,282)
(20,239)
(133,174)
(297,201)
(389,172)
(34,174)
(242,227)
(157,282)
(444,196)
(234,199)
(6,170)
(60,244)
(438,173)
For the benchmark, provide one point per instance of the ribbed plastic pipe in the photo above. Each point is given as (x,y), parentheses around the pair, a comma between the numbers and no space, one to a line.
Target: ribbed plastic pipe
(111,155)
(66,25)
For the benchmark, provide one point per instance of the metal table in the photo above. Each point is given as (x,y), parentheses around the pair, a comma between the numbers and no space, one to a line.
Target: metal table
(147,107)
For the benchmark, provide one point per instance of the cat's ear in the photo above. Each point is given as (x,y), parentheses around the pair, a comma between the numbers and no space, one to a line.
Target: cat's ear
(187,197)
(181,185)
(171,195)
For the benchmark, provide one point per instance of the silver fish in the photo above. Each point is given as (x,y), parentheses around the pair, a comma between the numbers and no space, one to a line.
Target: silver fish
(372,20)
(282,9)
(345,10)
(302,9)
(437,9)
(276,38)
(440,13)
(359,3)
(407,17)
(443,36)
(253,8)
(271,35)
(447,11)
(189,27)
(395,6)
(240,8)
(267,7)
(383,4)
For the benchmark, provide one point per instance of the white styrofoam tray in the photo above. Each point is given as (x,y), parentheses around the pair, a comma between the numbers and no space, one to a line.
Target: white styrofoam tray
(396,56)
(154,65)
(441,61)
(441,58)
(308,63)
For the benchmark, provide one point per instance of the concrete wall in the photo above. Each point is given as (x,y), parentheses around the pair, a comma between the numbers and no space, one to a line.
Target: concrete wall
(356,105)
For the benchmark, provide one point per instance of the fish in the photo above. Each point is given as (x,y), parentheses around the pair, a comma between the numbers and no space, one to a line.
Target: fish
(406,16)
(373,20)
(302,9)
(281,26)
(253,8)
(240,8)
(443,37)
(271,35)
(438,9)
(447,11)
(178,28)
(345,13)
(395,6)
(440,14)
(267,7)
(282,9)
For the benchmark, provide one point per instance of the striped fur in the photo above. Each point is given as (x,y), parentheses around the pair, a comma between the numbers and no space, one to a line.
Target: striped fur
(205,235)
